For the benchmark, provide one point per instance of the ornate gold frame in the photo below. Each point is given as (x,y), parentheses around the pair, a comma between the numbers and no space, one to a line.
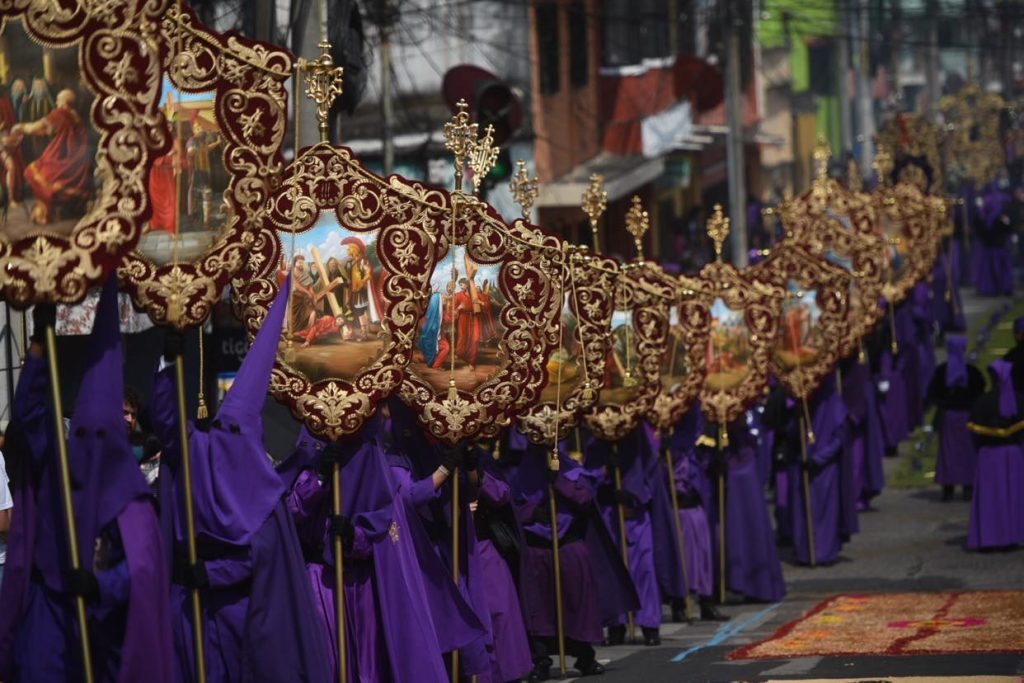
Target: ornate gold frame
(120,63)
(248,79)
(645,290)
(694,309)
(590,292)
(913,137)
(921,219)
(971,143)
(789,261)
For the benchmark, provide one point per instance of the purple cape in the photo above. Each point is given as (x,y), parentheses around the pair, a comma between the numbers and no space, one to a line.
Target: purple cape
(130,623)
(258,619)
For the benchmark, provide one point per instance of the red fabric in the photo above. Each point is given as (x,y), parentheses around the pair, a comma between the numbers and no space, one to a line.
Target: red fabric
(467,328)
(62,173)
(324,326)
(163,193)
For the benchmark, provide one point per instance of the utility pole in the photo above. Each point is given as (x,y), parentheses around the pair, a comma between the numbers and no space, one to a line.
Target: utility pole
(842,78)
(932,85)
(865,103)
(794,116)
(734,139)
(387,113)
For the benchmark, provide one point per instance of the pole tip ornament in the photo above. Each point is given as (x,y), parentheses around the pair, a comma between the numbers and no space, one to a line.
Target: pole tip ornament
(822,156)
(638,222)
(718,230)
(524,188)
(459,136)
(324,83)
(595,200)
(883,164)
(483,155)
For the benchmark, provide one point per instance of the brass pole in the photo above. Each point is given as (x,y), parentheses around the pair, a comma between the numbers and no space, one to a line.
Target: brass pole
(808,508)
(455,552)
(680,536)
(559,614)
(190,520)
(623,539)
(339,576)
(721,534)
(65,490)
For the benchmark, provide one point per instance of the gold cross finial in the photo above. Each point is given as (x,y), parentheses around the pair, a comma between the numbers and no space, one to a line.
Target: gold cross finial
(323,85)
(594,202)
(638,223)
(524,188)
(718,230)
(822,155)
(459,136)
(883,165)
(483,154)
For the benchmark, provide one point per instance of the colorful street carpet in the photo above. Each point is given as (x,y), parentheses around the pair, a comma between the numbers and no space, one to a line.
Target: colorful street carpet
(900,624)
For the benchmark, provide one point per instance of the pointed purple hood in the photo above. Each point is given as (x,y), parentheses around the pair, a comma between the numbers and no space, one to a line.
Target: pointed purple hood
(1003,372)
(234,484)
(956,364)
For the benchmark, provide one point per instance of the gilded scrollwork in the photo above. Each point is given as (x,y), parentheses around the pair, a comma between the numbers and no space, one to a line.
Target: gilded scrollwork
(52,266)
(247,79)
(589,291)
(645,291)
(912,225)
(801,370)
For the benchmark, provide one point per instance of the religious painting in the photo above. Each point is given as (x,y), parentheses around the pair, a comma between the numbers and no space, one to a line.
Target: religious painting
(187,184)
(639,335)
(911,224)
(576,368)
(800,342)
(728,353)
(72,196)
(223,109)
(459,333)
(334,325)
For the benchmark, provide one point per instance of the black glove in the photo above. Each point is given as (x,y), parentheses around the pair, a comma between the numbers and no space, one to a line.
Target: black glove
(331,454)
(606,495)
(82,582)
(812,467)
(626,498)
(43,316)
(174,344)
(453,458)
(542,513)
(343,529)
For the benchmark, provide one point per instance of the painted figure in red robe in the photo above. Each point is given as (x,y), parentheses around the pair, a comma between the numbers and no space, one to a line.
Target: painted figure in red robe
(62,176)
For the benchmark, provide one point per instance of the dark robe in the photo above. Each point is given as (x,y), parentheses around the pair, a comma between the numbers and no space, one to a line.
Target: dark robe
(690,480)
(1015,356)
(116,526)
(258,619)
(992,262)
(954,387)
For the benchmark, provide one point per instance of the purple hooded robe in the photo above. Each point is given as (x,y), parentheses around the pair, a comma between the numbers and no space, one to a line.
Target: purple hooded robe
(997,424)
(954,387)
(116,525)
(387,615)
(865,441)
(258,620)
(689,480)
(991,258)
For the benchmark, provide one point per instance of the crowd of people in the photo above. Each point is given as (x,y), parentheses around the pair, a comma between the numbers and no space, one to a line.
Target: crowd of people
(526,561)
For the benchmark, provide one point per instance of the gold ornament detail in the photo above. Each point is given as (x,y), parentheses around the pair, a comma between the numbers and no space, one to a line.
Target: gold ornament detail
(459,137)
(594,203)
(483,154)
(883,165)
(524,188)
(324,83)
(638,222)
(718,230)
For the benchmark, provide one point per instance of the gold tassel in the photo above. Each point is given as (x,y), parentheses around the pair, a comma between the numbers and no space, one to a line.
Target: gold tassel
(201,413)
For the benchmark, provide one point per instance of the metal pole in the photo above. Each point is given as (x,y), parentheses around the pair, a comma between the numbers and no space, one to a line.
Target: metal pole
(387,114)
(808,508)
(455,554)
(9,355)
(339,577)
(734,143)
(623,540)
(65,490)
(559,614)
(190,520)
(680,536)
(932,57)
(721,535)
(865,103)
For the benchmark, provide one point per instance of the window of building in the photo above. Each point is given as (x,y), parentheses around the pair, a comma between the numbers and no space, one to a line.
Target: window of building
(579,47)
(634,30)
(547,47)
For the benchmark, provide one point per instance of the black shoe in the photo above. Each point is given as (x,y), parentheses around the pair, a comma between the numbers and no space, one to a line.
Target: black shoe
(947,494)
(651,636)
(541,670)
(680,614)
(616,636)
(708,611)
(589,667)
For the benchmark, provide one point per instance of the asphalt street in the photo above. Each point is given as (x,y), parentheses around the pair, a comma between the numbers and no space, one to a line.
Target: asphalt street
(910,541)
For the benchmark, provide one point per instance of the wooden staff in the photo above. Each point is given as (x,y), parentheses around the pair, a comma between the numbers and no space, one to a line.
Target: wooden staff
(808,508)
(455,549)
(680,535)
(622,535)
(65,490)
(332,300)
(339,576)
(559,614)
(190,520)
(722,440)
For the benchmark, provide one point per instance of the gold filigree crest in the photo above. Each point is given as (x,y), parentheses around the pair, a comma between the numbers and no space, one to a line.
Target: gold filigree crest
(913,136)
(680,386)
(971,146)
(589,294)
(800,369)
(247,80)
(759,305)
(49,266)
